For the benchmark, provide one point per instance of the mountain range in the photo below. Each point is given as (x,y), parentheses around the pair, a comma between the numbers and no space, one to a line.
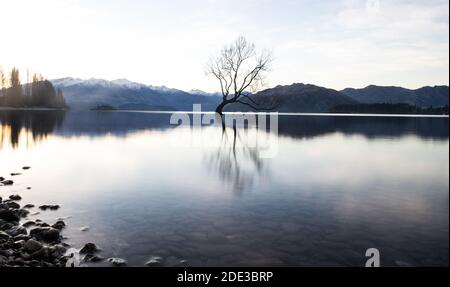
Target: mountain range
(424,97)
(124,94)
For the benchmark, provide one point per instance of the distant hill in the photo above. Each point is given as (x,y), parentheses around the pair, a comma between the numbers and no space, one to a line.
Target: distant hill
(126,95)
(436,96)
(123,94)
(297,98)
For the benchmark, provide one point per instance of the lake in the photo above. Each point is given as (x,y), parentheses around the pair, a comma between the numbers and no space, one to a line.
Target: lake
(140,187)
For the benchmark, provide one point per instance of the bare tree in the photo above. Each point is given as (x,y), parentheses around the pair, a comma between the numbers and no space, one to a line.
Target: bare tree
(240,70)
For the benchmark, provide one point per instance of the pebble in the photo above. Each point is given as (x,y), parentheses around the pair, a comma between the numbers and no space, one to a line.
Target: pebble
(51,207)
(15,197)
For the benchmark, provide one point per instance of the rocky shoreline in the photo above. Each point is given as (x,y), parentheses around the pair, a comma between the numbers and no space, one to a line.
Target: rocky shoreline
(27,242)
(34,243)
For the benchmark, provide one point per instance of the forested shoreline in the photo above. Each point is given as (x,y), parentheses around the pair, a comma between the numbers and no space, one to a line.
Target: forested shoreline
(389,109)
(40,93)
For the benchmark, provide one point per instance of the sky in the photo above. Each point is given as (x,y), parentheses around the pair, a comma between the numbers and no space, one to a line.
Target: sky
(332,43)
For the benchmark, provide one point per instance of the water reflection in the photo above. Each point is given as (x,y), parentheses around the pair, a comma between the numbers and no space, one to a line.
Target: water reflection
(236,161)
(336,187)
(370,127)
(35,126)
(40,124)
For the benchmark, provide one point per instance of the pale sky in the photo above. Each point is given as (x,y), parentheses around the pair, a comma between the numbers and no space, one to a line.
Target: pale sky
(332,43)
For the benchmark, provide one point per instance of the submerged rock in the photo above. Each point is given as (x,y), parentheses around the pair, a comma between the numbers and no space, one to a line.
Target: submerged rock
(6,226)
(42,247)
(154,261)
(32,246)
(16,230)
(59,225)
(4,235)
(40,254)
(117,261)
(12,204)
(47,234)
(22,237)
(18,244)
(23,213)
(29,223)
(51,207)
(57,251)
(89,248)
(92,258)
(84,228)
(15,197)
(9,215)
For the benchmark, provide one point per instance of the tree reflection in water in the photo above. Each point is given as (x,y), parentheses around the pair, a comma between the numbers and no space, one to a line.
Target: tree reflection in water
(236,161)
(34,126)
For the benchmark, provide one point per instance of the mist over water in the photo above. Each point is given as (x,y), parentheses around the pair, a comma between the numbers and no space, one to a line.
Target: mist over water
(336,187)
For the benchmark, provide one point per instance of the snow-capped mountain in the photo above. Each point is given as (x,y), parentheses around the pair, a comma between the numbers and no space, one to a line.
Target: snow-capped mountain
(125,94)
(128,84)
(203,93)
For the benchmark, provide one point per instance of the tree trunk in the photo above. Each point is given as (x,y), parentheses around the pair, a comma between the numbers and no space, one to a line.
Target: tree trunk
(219,111)
(220,107)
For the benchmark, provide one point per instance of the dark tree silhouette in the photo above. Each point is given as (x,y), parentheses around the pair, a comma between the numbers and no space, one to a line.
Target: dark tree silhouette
(240,69)
(14,94)
(40,93)
(43,94)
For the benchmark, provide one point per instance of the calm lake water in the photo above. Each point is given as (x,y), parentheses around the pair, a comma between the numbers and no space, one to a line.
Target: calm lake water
(336,187)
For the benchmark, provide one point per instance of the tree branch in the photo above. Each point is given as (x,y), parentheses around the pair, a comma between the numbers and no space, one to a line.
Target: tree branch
(255,108)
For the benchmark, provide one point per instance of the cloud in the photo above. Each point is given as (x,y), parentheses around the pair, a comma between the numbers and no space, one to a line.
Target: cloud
(332,43)
(399,43)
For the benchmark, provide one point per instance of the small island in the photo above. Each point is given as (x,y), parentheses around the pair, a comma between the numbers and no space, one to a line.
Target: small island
(103,108)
